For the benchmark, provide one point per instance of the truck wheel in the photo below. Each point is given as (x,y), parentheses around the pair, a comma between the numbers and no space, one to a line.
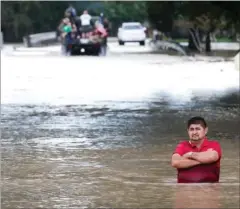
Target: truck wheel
(142,43)
(98,51)
(121,42)
(73,53)
(90,52)
(95,51)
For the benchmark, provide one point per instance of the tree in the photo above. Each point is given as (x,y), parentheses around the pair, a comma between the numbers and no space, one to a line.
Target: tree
(23,17)
(118,12)
(204,18)
(161,15)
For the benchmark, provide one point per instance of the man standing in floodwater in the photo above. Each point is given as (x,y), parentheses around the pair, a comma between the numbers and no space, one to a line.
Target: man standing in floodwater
(197,160)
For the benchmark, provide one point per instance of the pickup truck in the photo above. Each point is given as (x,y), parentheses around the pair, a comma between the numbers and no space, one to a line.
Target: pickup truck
(88,43)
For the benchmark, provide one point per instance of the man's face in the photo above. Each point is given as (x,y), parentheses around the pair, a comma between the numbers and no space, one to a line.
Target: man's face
(197,132)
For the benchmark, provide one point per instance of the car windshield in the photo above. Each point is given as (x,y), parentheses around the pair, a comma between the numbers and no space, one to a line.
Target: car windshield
(132,27)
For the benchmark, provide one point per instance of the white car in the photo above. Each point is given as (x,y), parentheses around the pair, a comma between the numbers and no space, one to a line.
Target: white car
(131,32)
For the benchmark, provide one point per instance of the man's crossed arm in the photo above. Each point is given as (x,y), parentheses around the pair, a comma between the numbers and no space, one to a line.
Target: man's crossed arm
(191,159)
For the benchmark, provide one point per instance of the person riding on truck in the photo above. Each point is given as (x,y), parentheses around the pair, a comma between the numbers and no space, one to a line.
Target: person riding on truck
(102,32)
(72,11)
(67,35)
(101,18)
(60,32)
(86,23)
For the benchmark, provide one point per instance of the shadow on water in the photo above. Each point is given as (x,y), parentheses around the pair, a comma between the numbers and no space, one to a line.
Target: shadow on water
(230,99)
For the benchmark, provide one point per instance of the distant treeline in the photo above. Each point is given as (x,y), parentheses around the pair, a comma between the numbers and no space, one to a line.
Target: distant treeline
(20,18)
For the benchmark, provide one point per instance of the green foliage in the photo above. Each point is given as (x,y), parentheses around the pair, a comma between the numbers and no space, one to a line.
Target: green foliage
(162,14)
(23,17)
(118,12)
(126,10)
(203,14)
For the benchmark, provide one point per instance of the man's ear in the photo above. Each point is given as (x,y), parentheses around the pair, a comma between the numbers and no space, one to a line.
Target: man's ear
(206,130)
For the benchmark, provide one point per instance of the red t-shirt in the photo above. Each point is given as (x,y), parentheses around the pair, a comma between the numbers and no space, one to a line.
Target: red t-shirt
(202,173)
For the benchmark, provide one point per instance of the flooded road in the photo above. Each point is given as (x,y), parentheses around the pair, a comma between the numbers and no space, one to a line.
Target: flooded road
(103,136)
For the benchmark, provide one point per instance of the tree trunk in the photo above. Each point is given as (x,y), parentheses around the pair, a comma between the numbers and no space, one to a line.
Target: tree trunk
(193,42)
(208,43)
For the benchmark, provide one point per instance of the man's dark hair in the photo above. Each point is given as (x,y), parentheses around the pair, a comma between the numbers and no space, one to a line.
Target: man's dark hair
(197,120)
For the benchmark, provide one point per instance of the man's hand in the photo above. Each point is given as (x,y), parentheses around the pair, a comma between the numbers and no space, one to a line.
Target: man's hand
(207,156)
(182,162)
(190,155)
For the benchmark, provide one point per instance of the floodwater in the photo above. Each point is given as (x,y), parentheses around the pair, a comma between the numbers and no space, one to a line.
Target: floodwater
(103,136)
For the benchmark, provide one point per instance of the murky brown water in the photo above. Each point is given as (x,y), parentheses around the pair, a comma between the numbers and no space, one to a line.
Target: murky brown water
(112,154)
(80,156)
